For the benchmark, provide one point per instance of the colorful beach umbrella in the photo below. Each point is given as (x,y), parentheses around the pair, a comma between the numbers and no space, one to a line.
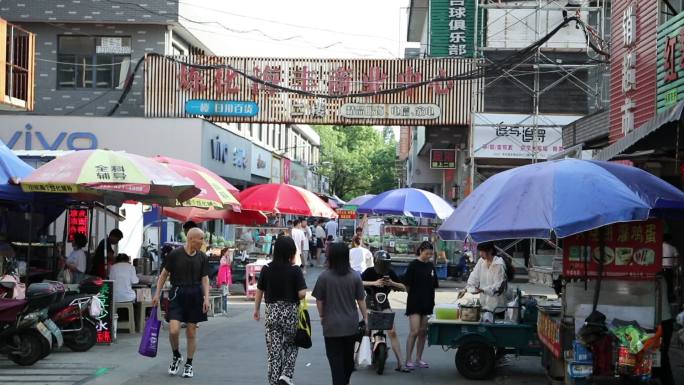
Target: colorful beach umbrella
(561,198)
(114,175)
(410,202)
(215,192)
(284,199)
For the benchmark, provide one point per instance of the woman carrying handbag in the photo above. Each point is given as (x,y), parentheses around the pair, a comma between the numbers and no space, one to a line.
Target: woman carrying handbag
(281,285)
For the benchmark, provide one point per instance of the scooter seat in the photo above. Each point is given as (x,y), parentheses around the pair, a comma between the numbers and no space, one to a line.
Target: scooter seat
(66,301)
(10,308)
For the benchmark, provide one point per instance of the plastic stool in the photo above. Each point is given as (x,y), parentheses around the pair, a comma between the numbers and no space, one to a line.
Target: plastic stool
(128,323)
(141,315)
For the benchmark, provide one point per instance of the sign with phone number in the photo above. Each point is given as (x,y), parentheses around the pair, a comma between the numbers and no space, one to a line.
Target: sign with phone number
(633,250)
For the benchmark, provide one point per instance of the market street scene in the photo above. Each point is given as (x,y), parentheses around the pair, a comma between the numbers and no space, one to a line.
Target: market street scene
(368,192)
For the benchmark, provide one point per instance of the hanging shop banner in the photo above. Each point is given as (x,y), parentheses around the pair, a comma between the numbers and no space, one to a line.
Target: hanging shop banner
(276,170)
(517,136)
(442,159)
(105,318)
(261,162)
(78,222)
(632,250)
(452,28)
(311,181)
(297,175)
(287,170)
(346,214)
(670,86)
(268,90)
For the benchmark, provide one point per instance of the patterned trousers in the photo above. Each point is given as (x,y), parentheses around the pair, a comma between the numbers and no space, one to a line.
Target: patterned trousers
(281,328)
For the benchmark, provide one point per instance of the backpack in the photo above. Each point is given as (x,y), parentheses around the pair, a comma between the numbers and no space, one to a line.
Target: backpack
(510,269)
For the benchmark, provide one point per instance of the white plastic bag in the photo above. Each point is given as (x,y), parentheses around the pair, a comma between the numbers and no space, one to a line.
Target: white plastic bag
(365,356)
(95,307)
(512,311)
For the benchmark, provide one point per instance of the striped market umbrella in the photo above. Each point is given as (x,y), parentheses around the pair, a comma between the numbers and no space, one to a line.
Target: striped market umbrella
(112,175)
(215,192)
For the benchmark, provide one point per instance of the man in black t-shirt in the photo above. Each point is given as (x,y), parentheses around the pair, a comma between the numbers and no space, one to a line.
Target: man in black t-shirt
(379,281)
(188,268)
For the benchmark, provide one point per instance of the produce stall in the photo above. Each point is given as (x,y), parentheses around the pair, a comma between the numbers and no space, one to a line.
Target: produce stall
(402,241)
(252,243)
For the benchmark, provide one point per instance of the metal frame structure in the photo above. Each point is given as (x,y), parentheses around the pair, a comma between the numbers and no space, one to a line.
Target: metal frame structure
(594,13)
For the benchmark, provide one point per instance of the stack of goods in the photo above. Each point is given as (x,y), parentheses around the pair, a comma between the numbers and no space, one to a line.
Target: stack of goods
(636,351)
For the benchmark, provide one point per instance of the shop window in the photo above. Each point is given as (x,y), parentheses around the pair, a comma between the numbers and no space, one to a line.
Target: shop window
(93,62)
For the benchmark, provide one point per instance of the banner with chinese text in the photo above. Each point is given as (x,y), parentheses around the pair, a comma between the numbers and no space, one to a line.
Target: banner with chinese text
(346,214)
(632,250)
(177,87)
(452,28)
(78,222)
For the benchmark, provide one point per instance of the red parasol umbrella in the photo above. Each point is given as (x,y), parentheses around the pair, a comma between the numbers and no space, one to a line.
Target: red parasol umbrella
(244,217)
(284,199)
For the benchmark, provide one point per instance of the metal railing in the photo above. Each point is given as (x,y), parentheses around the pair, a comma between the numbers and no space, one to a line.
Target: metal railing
(18,63)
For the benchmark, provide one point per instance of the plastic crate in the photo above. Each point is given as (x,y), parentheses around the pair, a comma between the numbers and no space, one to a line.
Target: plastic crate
(441,271)
(581,353)
(378,320)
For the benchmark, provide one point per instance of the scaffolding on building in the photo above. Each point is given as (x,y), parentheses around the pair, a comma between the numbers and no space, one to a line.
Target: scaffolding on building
(509,26)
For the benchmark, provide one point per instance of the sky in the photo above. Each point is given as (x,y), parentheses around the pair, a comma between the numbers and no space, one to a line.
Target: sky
(299,28)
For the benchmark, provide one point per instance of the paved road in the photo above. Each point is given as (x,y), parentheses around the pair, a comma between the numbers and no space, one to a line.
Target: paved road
(232,350)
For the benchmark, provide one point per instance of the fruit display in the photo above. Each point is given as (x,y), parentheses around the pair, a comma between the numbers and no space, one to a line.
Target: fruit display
(402,241)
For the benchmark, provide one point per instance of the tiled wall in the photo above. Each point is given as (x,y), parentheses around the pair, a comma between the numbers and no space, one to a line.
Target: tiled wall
(111,11)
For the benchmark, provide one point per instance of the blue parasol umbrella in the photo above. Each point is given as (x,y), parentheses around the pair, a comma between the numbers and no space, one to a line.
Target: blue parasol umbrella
(562,197)
(358,201)
(409,202)
(12,170)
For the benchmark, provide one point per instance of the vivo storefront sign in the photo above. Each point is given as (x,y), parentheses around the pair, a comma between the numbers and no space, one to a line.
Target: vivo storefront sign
(226,154)
(261,162)
(517,136)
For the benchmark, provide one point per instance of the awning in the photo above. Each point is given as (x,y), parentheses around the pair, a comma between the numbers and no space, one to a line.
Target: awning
(629,141)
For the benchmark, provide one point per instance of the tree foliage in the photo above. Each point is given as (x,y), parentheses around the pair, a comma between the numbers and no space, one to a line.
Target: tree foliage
(357,159)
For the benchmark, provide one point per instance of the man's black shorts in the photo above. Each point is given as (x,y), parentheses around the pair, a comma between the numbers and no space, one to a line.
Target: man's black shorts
(185,304)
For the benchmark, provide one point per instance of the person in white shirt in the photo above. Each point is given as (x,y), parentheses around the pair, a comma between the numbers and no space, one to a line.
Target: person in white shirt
(77,259)
(331,229)
(489,280)
(670,262)
(306,255)
(300,238)
(124,277)
(360,258)
(320,242)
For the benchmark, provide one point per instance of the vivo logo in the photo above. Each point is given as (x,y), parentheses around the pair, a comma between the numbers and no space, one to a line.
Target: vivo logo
(219,150)
(37,140)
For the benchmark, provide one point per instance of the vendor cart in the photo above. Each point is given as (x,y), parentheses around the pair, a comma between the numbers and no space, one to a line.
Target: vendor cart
(478,345)
(252,243)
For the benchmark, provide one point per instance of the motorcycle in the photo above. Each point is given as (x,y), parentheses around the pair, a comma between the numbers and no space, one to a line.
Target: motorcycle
(378,323)
(23,335)
(72,315)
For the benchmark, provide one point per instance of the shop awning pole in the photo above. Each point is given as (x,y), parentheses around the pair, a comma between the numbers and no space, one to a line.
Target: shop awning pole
(30,245)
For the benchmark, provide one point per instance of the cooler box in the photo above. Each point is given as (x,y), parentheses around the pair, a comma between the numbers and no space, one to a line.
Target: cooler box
(447,311)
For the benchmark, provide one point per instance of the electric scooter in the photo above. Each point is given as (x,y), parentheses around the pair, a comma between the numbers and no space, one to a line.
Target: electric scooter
(378,323)
(72,316)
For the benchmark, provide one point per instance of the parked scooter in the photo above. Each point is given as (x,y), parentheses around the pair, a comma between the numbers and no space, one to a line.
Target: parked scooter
(23,335)
(73,316)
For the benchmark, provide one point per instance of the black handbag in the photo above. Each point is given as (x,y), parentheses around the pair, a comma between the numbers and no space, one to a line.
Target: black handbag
(303,335)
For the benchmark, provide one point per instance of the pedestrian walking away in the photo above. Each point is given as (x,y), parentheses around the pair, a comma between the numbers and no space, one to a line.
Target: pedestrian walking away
(420,281)
(188,268)
(320,243)
(360,257)
(299,238)
(306,245)
(281,285)
(339,297)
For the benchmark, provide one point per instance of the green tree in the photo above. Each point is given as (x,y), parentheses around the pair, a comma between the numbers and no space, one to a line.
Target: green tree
(357,159)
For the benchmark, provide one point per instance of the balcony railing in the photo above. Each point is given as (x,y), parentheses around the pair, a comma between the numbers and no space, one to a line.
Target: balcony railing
(17,73)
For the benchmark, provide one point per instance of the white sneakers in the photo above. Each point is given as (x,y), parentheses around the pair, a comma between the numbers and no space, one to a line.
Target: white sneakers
(175,365)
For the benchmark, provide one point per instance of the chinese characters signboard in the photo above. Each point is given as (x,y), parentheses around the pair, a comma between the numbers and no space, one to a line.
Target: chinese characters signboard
(517,137)
(452,28)
(104,319)
(670,88)
(632,65)
(78,222)
(632,250)
(229,89)
(442,158)
(346,214)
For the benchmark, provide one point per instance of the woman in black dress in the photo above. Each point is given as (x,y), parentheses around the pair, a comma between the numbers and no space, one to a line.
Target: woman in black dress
(421,282)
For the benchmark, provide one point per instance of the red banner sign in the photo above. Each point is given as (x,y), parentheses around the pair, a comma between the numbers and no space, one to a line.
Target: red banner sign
(346,214)
(632,250)
(78,222)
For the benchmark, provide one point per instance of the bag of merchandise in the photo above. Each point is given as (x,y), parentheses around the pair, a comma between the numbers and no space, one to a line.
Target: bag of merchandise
(303,336)
(150,338)
(365,356)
